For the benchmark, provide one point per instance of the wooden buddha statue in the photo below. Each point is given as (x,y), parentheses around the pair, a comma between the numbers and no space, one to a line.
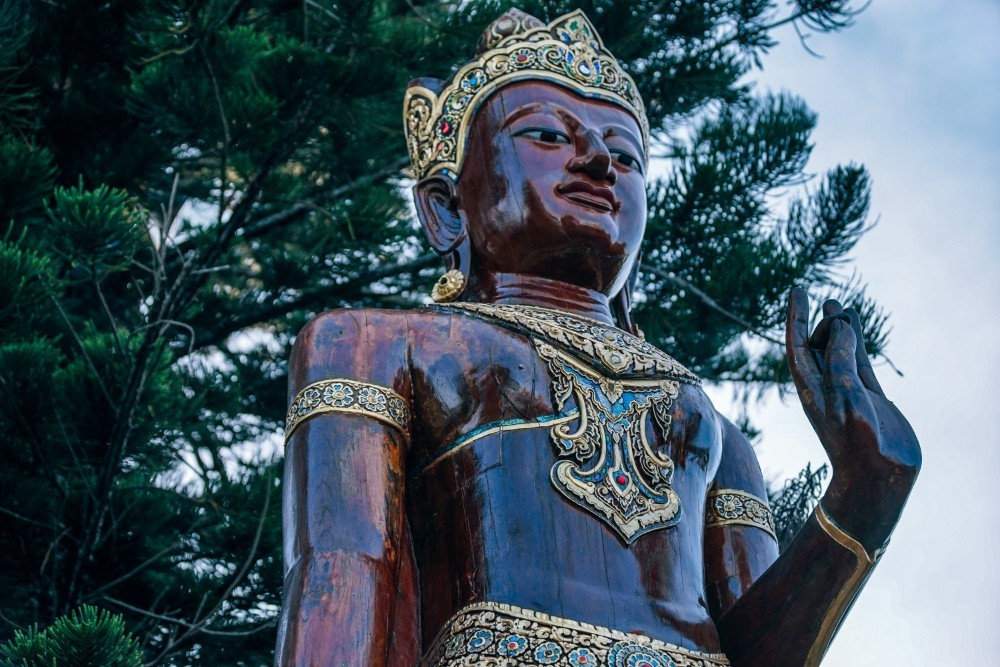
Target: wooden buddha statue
(513,476)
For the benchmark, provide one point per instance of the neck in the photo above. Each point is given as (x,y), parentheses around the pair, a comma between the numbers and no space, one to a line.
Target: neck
(516,288)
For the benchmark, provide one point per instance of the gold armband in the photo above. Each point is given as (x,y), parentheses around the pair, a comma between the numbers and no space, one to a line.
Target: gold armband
(731,507)
(350,397)
(845,597)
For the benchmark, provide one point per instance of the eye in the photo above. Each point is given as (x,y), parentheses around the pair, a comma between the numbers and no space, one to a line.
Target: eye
(544,134)
(627,160)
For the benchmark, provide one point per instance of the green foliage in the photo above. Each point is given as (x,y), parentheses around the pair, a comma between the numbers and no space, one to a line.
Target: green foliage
(87,637)
(99,230)
(792,503)
(24,290)
(183,184)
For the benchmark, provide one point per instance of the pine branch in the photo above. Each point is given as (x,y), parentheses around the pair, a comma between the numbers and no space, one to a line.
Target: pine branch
(295,211)
(711,303)
(311,298)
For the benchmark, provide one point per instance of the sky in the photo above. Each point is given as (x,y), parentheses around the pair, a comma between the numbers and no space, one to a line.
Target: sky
(912,91)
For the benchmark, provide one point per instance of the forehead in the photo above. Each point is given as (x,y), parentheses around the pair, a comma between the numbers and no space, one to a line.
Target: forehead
(543,97)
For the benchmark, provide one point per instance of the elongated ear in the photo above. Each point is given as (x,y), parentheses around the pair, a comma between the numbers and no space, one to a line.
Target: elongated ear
(437,208)
(621,303)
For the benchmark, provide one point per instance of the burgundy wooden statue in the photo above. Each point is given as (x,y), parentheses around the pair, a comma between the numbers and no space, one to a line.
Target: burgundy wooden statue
(513,476)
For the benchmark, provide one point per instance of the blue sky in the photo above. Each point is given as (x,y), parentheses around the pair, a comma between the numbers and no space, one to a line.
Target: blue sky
(913,92)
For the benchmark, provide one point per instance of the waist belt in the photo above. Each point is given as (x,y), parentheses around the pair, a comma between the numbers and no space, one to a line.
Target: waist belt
(488,633)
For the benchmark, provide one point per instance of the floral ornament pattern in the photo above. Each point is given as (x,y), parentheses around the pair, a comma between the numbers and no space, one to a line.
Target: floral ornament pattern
(512,645)
(631,654)
(489,633)
(480,641)
(351,397)
(548,653)
(732,507)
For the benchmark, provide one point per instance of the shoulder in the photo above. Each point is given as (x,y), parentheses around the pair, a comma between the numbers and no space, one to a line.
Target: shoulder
(348,322)
(738,467)
(355,343)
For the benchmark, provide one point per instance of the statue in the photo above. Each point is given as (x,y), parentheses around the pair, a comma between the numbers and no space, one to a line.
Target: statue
(513,476)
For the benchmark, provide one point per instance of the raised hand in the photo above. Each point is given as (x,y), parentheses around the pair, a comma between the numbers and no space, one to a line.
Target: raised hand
(873,451)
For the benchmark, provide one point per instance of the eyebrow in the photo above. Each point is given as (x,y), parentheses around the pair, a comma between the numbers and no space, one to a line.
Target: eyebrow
(520,112)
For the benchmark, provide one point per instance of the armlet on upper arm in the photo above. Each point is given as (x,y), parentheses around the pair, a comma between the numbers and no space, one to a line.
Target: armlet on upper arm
(348,396)
(729,506)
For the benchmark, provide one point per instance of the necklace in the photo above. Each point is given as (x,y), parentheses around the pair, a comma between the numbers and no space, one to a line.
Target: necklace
(617,352)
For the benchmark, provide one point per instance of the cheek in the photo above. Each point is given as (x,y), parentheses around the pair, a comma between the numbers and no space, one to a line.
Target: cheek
(632,219)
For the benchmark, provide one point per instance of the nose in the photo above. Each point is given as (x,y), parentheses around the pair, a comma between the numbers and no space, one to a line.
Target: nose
(593,158)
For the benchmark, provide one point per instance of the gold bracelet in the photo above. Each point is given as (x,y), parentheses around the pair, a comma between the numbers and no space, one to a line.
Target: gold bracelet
(350,397)
(845,597)
(733,507)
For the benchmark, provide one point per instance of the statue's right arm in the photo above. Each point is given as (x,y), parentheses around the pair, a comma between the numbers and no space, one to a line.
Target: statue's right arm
(346,543)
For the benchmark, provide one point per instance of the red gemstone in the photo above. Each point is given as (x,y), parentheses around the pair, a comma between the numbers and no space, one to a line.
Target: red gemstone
(621,479)
(446,128)
(521,58)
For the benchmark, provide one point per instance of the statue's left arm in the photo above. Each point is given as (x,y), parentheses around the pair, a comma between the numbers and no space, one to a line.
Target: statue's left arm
(789,614)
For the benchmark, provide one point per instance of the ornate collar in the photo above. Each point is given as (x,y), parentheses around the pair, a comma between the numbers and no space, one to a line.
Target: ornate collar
(613,350)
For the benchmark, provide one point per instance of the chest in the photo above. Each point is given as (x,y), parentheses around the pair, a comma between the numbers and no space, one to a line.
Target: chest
(617,445)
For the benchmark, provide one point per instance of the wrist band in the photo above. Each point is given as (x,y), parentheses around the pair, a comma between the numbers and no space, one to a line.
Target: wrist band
(842,538)
(733,507)
(350,397)
(845,596)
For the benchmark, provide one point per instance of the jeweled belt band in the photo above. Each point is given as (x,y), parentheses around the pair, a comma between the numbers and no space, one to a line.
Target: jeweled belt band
(489,633)
(732,507)
(349,397)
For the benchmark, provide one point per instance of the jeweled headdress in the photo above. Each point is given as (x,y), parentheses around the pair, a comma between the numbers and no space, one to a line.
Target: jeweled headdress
(515,47)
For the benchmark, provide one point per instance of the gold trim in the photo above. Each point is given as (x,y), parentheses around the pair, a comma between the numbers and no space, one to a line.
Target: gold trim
(726,507)
(341,395)
(465,441)
(567,52)
(845,596)
(492,633)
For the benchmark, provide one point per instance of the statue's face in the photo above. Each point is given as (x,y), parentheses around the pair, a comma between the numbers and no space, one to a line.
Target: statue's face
(553,186)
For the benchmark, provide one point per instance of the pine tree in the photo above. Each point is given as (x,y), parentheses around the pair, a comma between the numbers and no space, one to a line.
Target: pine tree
(183,184)
(87,637)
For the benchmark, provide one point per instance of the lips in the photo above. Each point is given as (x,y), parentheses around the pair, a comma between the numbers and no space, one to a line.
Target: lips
(593,196)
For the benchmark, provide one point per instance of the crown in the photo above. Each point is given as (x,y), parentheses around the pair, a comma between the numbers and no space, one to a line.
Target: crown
(567,52)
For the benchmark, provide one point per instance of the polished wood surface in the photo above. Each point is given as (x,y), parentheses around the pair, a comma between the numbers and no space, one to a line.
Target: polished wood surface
(386,539)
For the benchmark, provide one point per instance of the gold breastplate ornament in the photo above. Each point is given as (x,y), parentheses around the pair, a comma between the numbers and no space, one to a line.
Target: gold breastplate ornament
(607,465)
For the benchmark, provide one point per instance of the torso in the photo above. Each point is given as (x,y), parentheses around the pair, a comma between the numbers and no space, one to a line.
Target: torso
(488,523)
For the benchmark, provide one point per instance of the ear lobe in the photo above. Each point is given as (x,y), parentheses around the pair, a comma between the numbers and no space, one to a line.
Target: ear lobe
(437,208)
(622,302)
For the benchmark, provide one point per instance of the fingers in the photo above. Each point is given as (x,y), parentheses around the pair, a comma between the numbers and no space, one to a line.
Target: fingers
(821,335)
(805,372)
(842,388)
(841,356)
(865,370)
(832,307)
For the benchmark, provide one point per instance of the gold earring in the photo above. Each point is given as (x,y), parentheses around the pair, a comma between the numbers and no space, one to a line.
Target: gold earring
(448,286)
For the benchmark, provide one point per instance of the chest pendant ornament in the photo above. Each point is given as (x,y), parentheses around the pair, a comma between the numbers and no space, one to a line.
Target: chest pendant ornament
(607,465)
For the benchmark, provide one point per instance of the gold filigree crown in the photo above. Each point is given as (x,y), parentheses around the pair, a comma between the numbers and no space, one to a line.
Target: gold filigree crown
(516,47)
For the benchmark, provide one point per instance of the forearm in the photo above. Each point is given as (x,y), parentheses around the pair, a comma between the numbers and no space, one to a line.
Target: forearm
(789,616)
(338,611)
